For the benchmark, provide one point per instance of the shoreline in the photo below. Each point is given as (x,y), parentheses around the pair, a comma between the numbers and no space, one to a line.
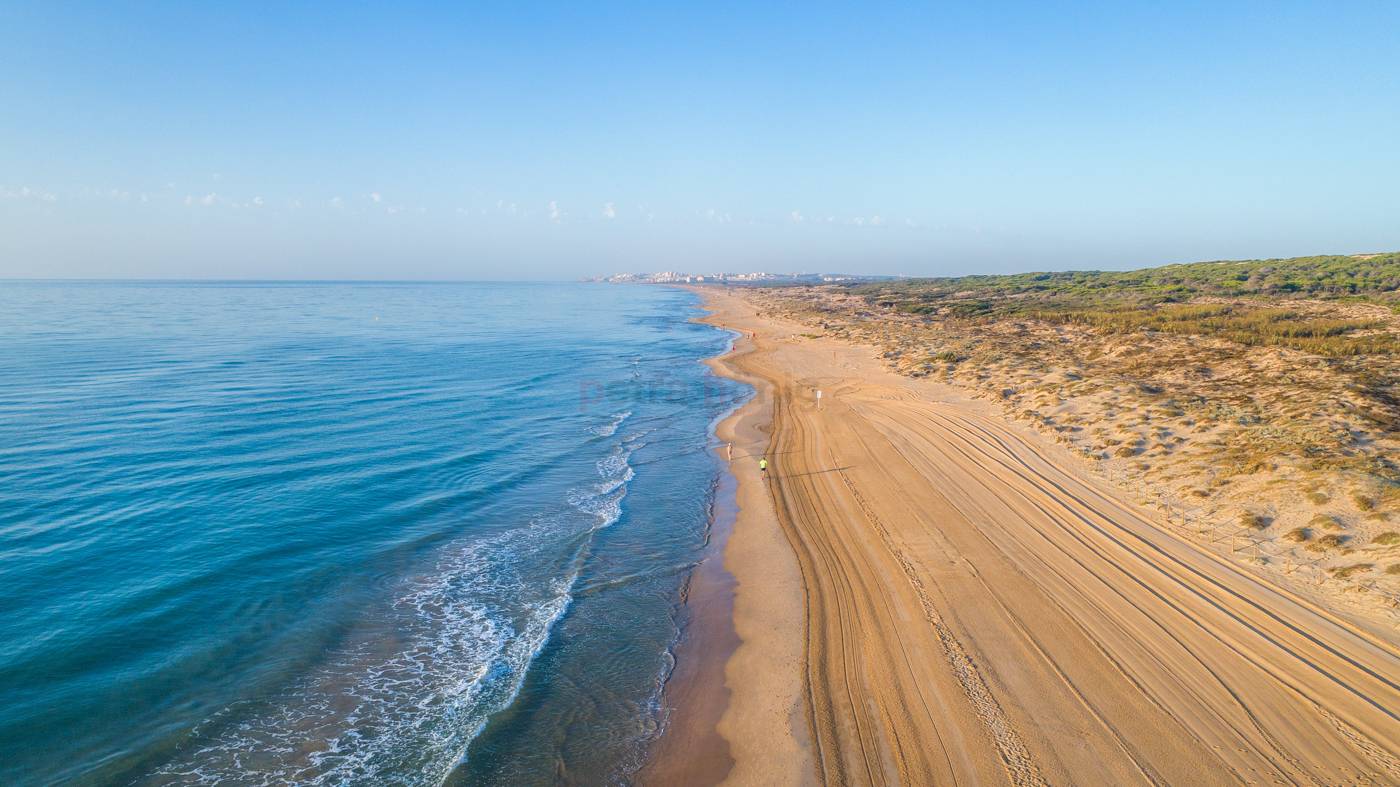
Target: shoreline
(690,750)
(736,708)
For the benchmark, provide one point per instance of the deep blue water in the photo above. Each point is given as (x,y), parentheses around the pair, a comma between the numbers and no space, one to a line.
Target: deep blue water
(341,533)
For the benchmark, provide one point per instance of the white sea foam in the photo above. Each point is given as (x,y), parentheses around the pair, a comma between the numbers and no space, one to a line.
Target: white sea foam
(603,500)
(407,699)
(610,428)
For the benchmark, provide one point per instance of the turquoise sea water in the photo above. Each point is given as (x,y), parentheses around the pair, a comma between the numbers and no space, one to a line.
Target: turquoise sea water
(337,533)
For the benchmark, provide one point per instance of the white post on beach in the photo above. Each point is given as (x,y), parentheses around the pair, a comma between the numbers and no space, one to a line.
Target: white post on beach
(819,398)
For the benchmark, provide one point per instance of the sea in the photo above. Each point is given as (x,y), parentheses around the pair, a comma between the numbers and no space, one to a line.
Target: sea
(347,533)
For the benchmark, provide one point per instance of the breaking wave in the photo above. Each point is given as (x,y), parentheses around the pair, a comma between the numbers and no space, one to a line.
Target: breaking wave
(420,683)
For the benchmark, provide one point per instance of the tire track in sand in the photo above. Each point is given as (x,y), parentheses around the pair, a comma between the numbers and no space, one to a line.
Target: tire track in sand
(978,611)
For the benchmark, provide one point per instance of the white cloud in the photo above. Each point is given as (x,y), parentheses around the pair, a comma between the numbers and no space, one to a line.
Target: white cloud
(376,196)
(609,210)
(337,203)
(554,211)
(797,217)
(876,221)
(25,192)
(209,199)
(257,202)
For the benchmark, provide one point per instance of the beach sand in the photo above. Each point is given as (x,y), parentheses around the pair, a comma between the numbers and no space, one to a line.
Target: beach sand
(926,593)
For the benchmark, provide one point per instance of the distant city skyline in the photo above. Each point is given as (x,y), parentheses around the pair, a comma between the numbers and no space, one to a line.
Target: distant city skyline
(538,141)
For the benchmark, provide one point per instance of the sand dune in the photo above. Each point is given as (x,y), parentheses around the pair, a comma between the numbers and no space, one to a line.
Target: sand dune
(979,610)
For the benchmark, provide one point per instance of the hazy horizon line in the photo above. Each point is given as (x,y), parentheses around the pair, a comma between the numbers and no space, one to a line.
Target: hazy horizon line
(583,280)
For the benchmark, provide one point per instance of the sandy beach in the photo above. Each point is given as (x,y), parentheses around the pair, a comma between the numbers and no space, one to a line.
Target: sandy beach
(927,593)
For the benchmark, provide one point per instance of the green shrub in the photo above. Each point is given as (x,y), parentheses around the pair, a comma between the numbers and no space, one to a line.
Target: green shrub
(1251,519)
(1329,541)
(1355,568)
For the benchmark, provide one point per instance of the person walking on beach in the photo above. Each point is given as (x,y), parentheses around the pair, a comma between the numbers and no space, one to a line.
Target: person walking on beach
(763,466)
(729,451)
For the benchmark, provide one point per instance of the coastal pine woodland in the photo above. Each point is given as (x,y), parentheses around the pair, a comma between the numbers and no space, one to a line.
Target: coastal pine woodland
(1255,403)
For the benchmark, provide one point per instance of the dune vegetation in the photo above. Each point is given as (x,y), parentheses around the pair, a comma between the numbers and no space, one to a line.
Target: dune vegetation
(1256,403)
(1250,303)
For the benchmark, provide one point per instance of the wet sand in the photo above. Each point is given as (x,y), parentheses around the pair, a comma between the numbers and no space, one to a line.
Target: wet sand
(691,750)
(928,594)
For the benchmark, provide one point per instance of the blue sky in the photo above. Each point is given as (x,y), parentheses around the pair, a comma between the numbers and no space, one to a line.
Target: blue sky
(550,141)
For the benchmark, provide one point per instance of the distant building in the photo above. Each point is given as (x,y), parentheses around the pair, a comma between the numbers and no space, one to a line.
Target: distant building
(676,277)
